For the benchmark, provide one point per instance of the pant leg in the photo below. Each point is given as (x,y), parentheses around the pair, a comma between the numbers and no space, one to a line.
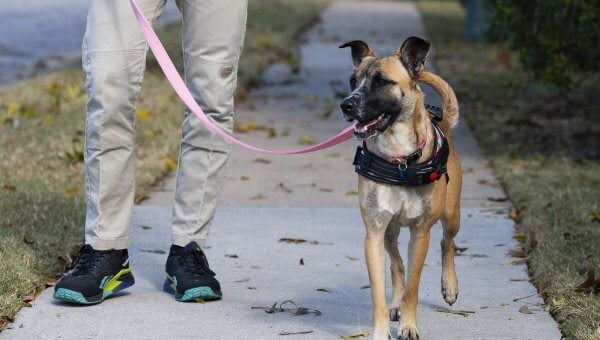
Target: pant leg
(114,53)
(213,35)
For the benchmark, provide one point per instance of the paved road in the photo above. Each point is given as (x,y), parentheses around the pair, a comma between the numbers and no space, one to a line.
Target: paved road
(307,197)
(41,35)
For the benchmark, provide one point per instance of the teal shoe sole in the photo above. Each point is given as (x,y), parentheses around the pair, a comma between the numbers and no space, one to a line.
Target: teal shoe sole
(193,294)
(113,286)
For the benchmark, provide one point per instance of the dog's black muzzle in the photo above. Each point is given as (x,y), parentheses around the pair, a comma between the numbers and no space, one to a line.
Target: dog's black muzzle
(349,107)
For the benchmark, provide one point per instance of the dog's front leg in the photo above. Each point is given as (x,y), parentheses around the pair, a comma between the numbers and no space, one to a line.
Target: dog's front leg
(417,251)
(375,256)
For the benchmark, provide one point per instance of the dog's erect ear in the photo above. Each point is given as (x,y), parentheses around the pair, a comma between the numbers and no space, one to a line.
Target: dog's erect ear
(413,54)
(360,50)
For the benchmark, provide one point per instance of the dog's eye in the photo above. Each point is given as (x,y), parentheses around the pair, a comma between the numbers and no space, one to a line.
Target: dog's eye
(352,83)
(380,82)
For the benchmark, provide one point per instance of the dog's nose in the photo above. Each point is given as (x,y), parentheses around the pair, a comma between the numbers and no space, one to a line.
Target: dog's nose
(348,105)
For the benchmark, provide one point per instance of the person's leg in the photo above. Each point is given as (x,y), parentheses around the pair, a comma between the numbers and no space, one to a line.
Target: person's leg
(114,53)
(213,35)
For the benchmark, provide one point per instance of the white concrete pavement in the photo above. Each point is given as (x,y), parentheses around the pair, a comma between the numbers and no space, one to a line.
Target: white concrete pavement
(308,197)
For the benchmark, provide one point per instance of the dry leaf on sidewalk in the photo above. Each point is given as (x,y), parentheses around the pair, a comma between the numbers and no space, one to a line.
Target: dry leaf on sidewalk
(292,309)
(355,335)
(525,310)
(295,333)
(464,313)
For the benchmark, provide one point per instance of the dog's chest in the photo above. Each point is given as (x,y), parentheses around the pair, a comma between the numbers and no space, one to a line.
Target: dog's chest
(406,204)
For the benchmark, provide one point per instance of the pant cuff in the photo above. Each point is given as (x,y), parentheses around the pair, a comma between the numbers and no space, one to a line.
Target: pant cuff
(107,244)
(184,240)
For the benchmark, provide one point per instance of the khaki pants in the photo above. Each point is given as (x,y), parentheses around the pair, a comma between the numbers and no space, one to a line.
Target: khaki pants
(114,53)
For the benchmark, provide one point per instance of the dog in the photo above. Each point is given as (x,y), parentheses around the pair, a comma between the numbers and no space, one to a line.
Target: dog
(399,134)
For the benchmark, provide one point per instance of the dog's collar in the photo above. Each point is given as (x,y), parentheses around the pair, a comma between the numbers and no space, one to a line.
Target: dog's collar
(402,160)
(382,170)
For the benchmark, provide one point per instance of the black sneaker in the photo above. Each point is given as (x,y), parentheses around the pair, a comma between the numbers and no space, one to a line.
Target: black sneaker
(97,275)
(188,275)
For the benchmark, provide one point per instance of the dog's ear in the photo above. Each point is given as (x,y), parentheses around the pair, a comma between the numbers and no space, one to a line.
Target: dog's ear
(360,50)
(413,54)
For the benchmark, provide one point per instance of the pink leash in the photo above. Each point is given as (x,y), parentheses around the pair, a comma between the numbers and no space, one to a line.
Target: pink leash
(184,93)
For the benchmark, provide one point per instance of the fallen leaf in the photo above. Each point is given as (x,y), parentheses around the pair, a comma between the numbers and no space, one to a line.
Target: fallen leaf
(262,161)
(524,297)
(9,188)
(323,289)
(519,280)
(142,114)
(525,310)
(27,239)
(242,280)
(351,258)
(594,216)
(301,262)
(351,193)
(155,251)
(464,313)
(516,261)
(171,164)
(259,197)
(590,284)
(294,333)
(306,140)
(271,132)
(498,199)
(252,288)
(520,236)
(293,309)
(247,127)
(292,240)
(244,178)
(233,256)
(483,181)
(355,335)
(284,188)
(365,287)
(460,249)
(558,303)
(145,227)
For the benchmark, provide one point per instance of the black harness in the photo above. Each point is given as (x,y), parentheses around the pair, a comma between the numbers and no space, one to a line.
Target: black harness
(380,170)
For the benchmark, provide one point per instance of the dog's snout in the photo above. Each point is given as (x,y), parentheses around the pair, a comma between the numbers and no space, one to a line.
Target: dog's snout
(349,105)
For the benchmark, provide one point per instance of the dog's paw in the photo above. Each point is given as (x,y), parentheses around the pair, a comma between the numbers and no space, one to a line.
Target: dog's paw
(408,332)
(450,290)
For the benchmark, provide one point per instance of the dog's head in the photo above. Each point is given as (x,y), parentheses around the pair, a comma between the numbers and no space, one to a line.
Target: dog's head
(384,89)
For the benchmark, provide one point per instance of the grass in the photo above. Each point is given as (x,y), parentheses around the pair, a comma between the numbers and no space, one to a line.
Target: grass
(543,144)
(41,144)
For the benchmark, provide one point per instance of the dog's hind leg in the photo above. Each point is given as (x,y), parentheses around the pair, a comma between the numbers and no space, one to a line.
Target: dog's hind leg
(375,256)
(417,251)
(396,267)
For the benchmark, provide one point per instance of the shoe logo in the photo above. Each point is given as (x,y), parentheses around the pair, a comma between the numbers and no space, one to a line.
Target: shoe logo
(172,282)
(125,263)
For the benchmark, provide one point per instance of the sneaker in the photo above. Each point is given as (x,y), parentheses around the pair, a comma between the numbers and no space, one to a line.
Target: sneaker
(188,275)
(97,275)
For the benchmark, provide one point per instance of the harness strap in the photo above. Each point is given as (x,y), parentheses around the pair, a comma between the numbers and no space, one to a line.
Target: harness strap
(378,169)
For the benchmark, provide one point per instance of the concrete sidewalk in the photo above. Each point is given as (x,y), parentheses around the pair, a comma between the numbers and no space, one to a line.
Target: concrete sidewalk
(309,197)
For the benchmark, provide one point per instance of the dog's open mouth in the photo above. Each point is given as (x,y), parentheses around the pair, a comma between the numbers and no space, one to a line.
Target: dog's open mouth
(372,128)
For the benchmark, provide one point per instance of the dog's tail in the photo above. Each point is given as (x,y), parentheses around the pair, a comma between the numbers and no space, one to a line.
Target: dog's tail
(449,101)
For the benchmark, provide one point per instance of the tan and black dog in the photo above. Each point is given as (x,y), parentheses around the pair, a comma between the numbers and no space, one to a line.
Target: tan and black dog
(388,105)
